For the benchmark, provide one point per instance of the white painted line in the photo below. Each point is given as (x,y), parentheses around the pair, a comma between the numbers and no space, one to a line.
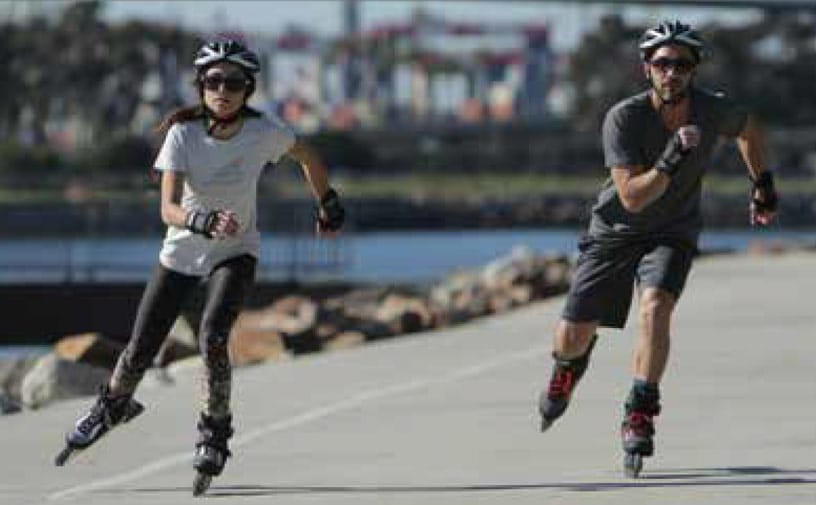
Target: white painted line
(307,417)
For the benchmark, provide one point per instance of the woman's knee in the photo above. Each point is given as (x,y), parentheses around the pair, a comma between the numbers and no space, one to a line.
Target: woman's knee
(216,326)
(214,344)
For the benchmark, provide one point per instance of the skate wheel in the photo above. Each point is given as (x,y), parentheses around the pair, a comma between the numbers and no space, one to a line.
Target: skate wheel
(63,456)
(632,464)
(201,483)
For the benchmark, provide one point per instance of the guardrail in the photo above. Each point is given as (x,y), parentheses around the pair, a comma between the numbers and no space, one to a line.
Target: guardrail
(288,257)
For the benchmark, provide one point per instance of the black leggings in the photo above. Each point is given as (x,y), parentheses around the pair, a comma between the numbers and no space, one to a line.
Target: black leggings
(162,301)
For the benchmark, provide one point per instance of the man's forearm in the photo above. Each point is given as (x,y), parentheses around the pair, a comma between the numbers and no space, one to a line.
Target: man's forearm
(638,191)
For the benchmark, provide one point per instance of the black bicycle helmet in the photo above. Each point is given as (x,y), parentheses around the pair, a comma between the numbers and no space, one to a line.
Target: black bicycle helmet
(671,32)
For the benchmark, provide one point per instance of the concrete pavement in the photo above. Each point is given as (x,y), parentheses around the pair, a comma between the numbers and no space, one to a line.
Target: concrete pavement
(449,417)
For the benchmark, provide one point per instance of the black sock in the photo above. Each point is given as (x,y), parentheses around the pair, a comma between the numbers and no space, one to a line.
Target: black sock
(643,394)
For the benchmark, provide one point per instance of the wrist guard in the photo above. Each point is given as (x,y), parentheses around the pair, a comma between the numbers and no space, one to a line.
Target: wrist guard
(331,214)
(673,155)
(769,199)
(201,222)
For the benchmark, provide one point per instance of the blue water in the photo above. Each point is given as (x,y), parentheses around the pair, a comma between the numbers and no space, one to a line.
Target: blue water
(430,255)
(21,351)
(375,257)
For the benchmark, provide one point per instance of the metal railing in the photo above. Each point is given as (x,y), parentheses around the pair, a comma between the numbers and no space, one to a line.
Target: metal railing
(289,257)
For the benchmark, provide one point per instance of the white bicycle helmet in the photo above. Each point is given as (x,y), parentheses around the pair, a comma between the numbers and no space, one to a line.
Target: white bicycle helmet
(227,50)
(671,32)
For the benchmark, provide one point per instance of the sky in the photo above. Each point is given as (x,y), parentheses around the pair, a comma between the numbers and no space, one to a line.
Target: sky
(568,20)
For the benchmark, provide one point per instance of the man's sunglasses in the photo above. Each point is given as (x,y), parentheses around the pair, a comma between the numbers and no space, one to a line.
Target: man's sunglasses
(232,83)
(679,65)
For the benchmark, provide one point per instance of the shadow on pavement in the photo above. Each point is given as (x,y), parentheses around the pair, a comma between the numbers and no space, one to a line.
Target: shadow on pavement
(687,477)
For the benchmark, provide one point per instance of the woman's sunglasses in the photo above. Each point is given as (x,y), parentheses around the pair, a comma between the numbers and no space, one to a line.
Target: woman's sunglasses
(679,65)
(232,83)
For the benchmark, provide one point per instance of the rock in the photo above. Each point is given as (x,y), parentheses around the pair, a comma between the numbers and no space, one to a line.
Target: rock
(406,314)
(12,372)
(499,302)
(459,298)
(54,378)
(474,304)
(291,314)
(327,331)
(250,345)
(302,343)
(504,271)
(555,278)
(345,340)
(358,303)
(521,294)
(293,317)
(445,293)
(448,317)
(373,330)
(89,348)
(9,405)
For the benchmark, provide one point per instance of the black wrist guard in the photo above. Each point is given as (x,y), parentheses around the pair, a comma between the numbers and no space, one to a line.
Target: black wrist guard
(332,214)
(769,199)
(673,155)
(201,222)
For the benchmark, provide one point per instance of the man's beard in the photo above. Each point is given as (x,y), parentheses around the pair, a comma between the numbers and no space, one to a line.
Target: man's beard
(668,97)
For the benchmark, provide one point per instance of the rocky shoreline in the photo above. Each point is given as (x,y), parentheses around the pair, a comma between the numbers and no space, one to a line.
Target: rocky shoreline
(291,326)
(297,324)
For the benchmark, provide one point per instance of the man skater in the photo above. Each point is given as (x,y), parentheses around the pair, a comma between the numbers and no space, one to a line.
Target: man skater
(646,222)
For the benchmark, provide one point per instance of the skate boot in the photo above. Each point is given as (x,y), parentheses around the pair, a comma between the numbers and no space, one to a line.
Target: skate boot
(105,414)
(212,450)
(565,376)
(637,431)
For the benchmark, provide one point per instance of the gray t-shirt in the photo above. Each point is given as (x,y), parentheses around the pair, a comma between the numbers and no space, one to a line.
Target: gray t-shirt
(219,174)
(634,135)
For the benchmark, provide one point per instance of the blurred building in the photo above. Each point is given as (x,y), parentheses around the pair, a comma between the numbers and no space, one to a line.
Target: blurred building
(417,71)
(21,10)
(425,69)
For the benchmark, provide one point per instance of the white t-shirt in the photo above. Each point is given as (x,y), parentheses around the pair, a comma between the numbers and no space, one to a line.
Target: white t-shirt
(219,174)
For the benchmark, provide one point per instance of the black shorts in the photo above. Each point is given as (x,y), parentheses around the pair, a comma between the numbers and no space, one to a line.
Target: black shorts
(605,274)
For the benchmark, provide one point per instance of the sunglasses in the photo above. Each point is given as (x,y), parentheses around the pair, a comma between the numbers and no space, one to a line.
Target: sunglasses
(679,65)
(232,83)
